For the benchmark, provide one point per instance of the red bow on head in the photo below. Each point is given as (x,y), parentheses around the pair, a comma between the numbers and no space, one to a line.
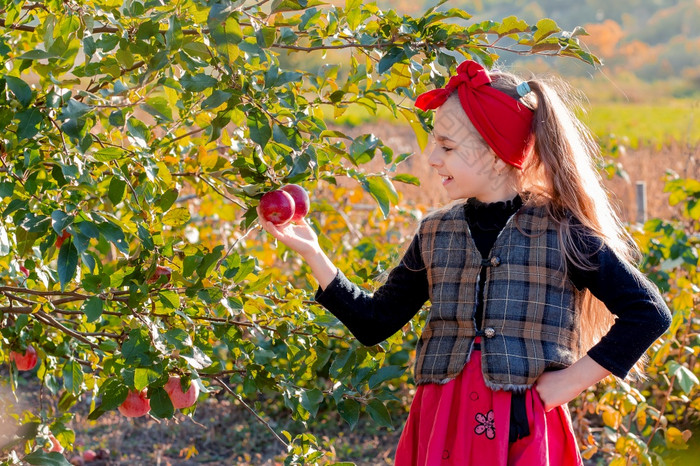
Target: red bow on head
(503,122)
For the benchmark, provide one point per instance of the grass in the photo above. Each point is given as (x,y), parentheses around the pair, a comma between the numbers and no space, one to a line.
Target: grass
(656,125)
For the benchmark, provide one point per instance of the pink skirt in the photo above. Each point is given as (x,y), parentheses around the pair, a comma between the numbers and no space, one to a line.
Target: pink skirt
(464,422)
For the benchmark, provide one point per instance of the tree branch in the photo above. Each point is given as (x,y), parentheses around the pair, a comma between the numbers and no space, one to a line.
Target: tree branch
(236,395)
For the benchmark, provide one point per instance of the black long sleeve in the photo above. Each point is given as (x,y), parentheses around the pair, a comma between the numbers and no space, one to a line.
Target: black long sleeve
(641,314)
(373,318)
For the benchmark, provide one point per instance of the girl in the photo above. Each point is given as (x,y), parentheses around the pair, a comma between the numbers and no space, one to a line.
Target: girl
(524,272)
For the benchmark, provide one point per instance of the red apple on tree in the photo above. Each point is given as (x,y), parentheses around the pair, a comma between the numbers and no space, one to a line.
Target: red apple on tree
(55,445)
(136,404)
(89,455)
(160,271)
(24,361)
(301,201)
(179,398)
(277,207)
(61,238)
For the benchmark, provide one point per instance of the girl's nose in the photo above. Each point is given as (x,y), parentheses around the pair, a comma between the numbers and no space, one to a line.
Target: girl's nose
(434,159)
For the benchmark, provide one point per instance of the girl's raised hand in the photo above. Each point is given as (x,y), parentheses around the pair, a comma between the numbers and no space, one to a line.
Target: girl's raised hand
(299,237)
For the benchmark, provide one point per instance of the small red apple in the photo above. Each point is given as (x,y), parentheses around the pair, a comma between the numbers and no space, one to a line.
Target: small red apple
(160,270)
(136,404)
(61,238)
(277,207)
(89,455)
(301,201)
(24,270)
(26,361)
(179,398)
(55,445)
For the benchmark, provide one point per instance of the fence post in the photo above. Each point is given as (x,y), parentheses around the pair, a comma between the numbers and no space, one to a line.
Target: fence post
(641,189)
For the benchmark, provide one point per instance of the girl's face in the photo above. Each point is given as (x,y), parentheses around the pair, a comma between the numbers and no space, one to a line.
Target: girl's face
(468,166)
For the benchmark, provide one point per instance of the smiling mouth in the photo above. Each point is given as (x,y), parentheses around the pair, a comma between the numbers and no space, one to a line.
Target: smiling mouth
(446,179)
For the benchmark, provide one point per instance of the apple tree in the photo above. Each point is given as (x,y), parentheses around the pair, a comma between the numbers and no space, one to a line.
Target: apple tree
(139,136)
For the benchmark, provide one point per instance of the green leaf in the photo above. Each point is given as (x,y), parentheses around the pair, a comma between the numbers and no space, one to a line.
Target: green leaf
(143,376)
(20,89)
(215,99)
(117,187)
(394,55)
(384,374)
(407,178)
(350,411)
(159,107)
(93,308)
(29,123)
(381,189)
(379,413)
(114,235)
(544,28)
(67,263)
(311,399)
(72,377)
(363,148)
(197,82)
(511,25)
(37,55)
(161,406)
(60,221)
(40,457)
(259,127)
(684,376)
(177,217)
(113,393)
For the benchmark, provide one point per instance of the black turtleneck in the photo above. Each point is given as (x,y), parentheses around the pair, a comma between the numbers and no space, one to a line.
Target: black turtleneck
(486,220)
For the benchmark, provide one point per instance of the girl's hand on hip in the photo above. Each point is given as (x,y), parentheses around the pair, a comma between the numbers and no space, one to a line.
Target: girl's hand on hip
(558,387)
(555,388)
(300,236)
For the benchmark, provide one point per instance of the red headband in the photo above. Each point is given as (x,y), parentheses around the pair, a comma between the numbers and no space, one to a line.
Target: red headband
(503,122)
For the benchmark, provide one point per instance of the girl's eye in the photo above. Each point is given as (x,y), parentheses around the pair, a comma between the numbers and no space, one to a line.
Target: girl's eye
(446,149)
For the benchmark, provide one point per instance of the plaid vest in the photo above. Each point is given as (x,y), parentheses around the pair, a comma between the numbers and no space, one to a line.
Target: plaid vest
(530,321)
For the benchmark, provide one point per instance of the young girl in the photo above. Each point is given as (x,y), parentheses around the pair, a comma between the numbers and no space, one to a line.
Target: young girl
(524,272)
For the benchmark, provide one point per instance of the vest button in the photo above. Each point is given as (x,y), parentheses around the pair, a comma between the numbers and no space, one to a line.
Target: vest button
(495,261)
(489,332)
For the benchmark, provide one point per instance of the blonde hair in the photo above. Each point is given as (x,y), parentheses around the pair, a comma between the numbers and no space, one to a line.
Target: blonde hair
(561,173)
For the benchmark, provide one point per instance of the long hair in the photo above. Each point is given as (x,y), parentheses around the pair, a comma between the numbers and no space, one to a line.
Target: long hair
(562,173)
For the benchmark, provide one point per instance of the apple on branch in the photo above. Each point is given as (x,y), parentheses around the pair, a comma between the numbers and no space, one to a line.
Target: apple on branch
(181,399)
(24,361)
(302,204)
(55,445)
(136,404)
(277,207)
(61,238)
(161,271)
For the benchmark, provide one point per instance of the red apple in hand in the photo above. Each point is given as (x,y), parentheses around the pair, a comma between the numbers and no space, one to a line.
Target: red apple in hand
(277,207)
(136,404)
(301,201)
(61,238)
(26,361)
(160,270)
(179,398)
